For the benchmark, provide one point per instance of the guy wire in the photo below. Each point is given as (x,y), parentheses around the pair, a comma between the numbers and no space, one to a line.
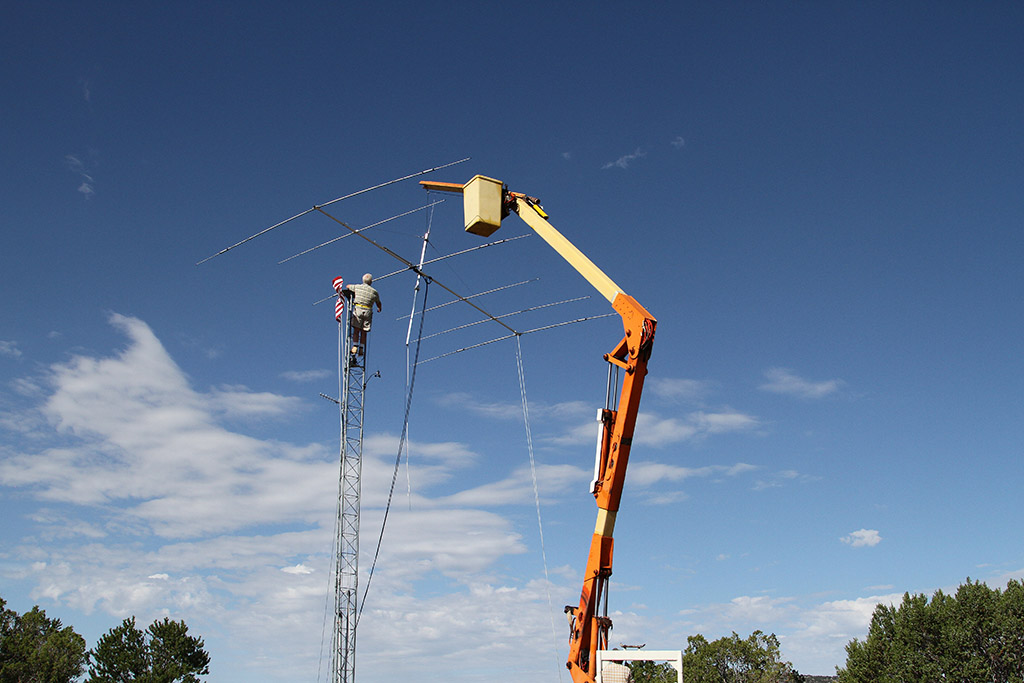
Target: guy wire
(398,458)
(536,496)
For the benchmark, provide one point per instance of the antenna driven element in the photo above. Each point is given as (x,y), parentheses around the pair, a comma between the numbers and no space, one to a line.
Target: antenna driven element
(319,206)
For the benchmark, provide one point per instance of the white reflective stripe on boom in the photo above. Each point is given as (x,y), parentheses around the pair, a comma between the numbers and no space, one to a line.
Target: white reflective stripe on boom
(597,455)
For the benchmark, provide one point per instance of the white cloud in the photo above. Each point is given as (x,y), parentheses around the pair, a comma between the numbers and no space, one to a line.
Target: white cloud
(625,160)
(651,429)
(518,487)
(781,478)
(677,388)
(240,401)
(9,349)
(655,431)
(813,634)
(174,513)
(647,476)
(785,381)
(647,473)
(720,423)
(465,402)
(77,166)
(150,443)
(862,538)
(87,188)
(759,609)
(678,142)
(306,375)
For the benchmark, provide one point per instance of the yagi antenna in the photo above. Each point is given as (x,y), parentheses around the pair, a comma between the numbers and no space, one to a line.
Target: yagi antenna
(516,334)
(508,315)
(349,234)
(435,260)
(416,269)
(471,296)
(320,206)
(457,253)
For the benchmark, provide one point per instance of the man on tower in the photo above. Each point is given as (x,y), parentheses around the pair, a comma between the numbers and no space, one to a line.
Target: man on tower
(363,299)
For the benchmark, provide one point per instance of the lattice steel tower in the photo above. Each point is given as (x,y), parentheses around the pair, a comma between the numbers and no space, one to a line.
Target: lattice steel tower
(346,581)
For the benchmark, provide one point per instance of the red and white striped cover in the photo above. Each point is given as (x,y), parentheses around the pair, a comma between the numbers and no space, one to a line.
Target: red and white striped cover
(339,305)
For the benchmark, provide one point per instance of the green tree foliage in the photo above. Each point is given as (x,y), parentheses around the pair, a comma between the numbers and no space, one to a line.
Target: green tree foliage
(35,649)
(163,653)
(736,660)
(646,671)
(975,635)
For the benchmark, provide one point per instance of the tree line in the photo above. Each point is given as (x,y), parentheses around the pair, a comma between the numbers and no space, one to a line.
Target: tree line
(37,649)
(975,635)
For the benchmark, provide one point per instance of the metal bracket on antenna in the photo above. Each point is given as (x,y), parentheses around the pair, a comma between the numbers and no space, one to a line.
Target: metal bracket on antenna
(331,398)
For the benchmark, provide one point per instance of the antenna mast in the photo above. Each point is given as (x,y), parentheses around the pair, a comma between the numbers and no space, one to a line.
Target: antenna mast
(346,581)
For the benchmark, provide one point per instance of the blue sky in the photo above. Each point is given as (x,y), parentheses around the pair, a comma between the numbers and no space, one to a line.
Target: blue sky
(820,202)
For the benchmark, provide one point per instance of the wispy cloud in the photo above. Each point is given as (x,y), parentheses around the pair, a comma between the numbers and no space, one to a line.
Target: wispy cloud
(240,401)
(88,186)
(648,473)
(678,388)
(9,349)
(655,430)
(465,402)
(517,488)
(862,538)
(468,403)
(625,160)
(678,142)
(785,381)
(782,478)
(306,375)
